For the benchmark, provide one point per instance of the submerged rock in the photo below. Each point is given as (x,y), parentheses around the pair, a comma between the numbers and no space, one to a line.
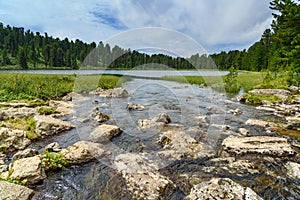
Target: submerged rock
(263,145)
(30,169)
(104,132)
(83,151)
(10,191)
(144,181)
(47,125)
(221,188)
(25,154)
(99,116)
(235,112)
(13,139)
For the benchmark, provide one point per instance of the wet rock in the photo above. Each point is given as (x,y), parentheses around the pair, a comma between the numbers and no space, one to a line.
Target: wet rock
(221,188)
(3,168)
(232,166)
(132,106)
(13,139)
(17,113)
(10,191)
(74,95)
(53,147)
(95,101)
(99,116)
(256,122)
(143,181)
(236,111)
(293,170)
(244,132)
(47,125)
(111,93)
(63,108)
(276,92)
(162,117)
(263,145)
(25,154)
(202,120)
(30,168)
(83,151)
(104,132)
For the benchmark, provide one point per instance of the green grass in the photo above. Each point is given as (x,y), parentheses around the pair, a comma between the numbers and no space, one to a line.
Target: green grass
(53,161)
(46,110)
(26,124)
(257,99)
(28,87)
(18,182)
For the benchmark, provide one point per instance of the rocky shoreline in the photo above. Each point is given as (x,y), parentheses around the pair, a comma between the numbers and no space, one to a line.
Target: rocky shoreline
(239,153)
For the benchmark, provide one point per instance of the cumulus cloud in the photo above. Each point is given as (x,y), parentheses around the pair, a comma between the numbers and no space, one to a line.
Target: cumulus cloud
(216,24)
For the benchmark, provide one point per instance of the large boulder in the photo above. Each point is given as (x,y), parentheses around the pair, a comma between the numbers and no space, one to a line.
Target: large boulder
(13,139)
(104,132)
(276,92)
(47,125)
(30,169)
(221,188)
(262,145)
(10,191)
(25,154)
(83,151)
(143,181)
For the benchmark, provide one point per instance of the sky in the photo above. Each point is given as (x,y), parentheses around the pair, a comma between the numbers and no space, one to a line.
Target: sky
(215,25)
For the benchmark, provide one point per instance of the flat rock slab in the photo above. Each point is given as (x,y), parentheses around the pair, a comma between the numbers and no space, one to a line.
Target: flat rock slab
(144,181)
(264,145)
(276,92)
(221,188)
(10,191)
(104,132)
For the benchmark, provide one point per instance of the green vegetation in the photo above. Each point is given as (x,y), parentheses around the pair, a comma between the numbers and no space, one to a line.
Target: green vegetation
(26,124)
(232,85)
(257,99)
(18,182)
(46,110)
(53,161)
(39,88)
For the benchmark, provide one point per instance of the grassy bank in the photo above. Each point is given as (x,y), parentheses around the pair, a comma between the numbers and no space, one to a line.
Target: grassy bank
(45,87)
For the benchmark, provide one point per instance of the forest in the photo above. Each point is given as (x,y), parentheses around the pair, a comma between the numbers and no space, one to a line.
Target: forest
(277,50)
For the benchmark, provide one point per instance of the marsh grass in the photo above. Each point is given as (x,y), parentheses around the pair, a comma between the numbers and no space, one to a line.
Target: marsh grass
(44,87)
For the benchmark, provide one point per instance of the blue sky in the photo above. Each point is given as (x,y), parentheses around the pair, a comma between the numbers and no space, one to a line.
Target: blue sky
(214,24)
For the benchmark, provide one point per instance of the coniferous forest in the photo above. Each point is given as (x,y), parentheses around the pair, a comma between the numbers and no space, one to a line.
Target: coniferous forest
(277,50)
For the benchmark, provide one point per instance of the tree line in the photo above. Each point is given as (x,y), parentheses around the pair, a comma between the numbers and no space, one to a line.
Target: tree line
(277,50)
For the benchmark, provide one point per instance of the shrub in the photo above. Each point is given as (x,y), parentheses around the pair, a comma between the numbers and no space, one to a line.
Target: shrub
(53,161)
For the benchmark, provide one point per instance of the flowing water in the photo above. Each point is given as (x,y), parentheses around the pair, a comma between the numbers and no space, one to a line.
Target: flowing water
(183,103)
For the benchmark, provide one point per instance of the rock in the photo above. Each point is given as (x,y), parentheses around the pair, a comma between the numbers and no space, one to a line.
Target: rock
(276,92)
(3,158)
(111,93)
(236,111)
(221,188)
(95,101)
(63,108)
(17,113)
(30,168)
(293,170)
(53,147)
(256,122)
(13,139)
(99,116)
(3,168)
(162,117)
(82,152)
(47,125)
(294,89)
(104,132)
(10,191)
(203,120)
(14,104)
(143,181)
(263,145)
(132,106)
(56,104)
(244,132)
(25,154)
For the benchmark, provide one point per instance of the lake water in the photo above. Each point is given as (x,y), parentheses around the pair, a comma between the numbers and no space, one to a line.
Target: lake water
(138,73)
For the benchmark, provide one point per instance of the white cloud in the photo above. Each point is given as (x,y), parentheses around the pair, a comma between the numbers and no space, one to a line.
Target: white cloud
(215,24)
